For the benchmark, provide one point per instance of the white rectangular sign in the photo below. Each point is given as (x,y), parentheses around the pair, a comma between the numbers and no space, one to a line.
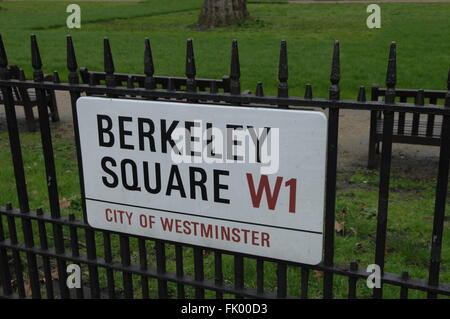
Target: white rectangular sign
(248,180)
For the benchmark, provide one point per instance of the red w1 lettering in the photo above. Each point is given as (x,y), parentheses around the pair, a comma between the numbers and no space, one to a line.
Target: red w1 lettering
(272,196)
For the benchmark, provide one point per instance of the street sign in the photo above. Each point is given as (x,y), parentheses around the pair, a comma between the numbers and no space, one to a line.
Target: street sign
(242,179)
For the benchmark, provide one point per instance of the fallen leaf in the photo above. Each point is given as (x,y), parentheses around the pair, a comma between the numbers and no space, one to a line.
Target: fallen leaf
(317,274)
(27,287)
(343,213)
(338,227)
(64,203)
(55,274)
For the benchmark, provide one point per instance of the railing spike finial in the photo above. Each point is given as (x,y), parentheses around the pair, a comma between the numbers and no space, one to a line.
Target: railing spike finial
(448,79)
(391,74)
(308,92)
(362,94)
(3,61)
(22,76)
(149,68)
(235,69)
(190,59)
(3,56)
(72,64)
(108,63)
(56,78)
(283,71)
(190,66)
(335,75)
(447,96)
(36,61)
(259,89)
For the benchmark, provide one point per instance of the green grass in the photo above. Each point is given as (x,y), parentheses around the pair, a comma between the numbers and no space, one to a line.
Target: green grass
(310,29)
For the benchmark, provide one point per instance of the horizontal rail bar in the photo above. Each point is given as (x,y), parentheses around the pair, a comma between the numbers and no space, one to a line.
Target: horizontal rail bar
(270,101)
(411,93)
(159,79)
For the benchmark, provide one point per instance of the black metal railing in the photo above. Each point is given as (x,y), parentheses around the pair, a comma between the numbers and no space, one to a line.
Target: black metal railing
(98,255)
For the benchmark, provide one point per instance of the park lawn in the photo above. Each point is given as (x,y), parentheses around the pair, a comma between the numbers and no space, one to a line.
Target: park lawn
(421,31)
(310,29)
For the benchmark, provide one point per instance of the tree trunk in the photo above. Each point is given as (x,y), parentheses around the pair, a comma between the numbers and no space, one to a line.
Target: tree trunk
(220,13)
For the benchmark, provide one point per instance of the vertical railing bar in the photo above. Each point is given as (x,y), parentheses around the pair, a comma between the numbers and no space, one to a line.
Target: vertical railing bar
(330,191)
(383,193)
(5,274)
(304,283)
(281,280)
(125,262)
(352,281)
(47,148)
(260,275)
(385,168)
(18,267)
(160,251)
(440,199)
(75,251)
(19,172)
(109,260)
(199,274)
(143,265)
(45,259)
(218,273)
(89,233)
(179,270)
(238,274)
(403,289)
